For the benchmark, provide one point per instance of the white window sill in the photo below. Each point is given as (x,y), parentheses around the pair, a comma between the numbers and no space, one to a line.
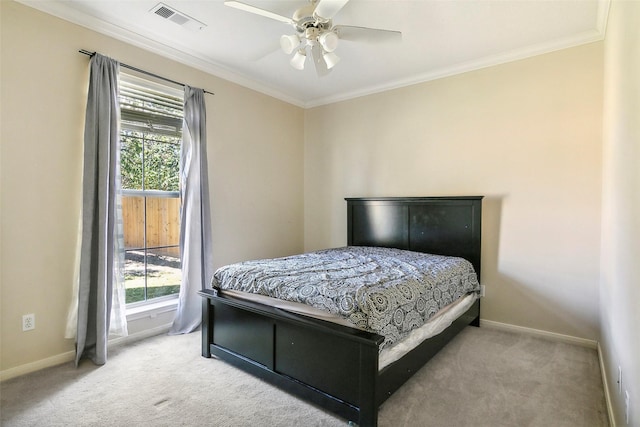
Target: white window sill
(152,309)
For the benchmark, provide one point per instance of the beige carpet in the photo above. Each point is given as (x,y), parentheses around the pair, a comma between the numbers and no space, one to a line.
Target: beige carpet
(484,377)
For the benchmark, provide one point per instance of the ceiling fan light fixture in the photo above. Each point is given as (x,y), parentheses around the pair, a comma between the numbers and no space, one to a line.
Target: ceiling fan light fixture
(298,59)
(328,41)
(315,33)
(331,59)
(289,43)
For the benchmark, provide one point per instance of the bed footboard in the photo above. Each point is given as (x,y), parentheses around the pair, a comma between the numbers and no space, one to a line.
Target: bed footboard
(330,365)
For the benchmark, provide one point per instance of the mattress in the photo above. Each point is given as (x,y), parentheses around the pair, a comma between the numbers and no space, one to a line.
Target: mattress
(388,291)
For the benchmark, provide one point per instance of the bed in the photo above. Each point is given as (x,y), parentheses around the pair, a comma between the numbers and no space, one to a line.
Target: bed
(336,366)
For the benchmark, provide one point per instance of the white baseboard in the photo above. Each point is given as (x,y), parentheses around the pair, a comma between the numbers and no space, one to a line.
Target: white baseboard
(565,339)
(605,384)
(540,333)
(27,368)
(147,333)
(69,356)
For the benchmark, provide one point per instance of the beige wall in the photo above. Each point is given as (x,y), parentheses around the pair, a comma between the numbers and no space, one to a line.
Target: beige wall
(620,286)
(526,135)
(255,156)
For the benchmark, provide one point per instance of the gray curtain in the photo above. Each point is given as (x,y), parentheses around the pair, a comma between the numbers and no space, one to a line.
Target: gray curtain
(100,259)
(195,217)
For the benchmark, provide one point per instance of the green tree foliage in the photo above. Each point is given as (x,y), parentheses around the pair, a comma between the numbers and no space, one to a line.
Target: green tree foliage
(152,158)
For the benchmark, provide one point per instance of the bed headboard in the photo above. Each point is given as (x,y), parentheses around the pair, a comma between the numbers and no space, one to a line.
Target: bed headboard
(438,225)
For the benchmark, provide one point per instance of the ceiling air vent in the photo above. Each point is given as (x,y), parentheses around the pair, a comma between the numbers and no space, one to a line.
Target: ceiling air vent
(167,12)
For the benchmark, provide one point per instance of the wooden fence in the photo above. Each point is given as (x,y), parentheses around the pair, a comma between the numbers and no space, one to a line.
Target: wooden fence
(163,224)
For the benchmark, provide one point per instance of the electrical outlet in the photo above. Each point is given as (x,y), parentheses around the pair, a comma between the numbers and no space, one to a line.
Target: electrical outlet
(619,380)
(626,406)
(483,290)
(28,322)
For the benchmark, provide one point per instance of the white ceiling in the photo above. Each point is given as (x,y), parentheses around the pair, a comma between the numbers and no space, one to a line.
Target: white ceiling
(439,38)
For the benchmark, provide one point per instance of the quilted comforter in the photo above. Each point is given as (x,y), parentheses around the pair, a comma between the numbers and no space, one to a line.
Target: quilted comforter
(382,290)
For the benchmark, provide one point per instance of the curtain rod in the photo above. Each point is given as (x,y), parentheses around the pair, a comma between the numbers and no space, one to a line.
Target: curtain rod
(88,53)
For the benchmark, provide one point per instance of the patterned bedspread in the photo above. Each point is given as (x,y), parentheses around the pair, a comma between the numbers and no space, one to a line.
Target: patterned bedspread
(383,290)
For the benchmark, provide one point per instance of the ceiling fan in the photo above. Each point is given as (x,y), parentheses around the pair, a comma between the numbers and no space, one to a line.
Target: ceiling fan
(315,32)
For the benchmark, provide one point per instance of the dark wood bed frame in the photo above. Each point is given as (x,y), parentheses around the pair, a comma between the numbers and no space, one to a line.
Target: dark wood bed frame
(334,366)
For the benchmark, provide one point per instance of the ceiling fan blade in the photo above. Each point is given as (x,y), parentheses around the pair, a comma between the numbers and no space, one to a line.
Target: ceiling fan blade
(256,10)
(364,34)
(327,9)
(318,60)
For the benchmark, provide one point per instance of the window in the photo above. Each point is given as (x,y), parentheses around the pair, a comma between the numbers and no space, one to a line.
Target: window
(151,134)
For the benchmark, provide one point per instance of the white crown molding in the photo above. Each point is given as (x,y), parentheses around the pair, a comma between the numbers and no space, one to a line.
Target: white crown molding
(603,16)
(517,55)
(185,56)
(597,34)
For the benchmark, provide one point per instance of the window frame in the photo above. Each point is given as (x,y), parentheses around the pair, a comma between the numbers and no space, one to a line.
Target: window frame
(159,125)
